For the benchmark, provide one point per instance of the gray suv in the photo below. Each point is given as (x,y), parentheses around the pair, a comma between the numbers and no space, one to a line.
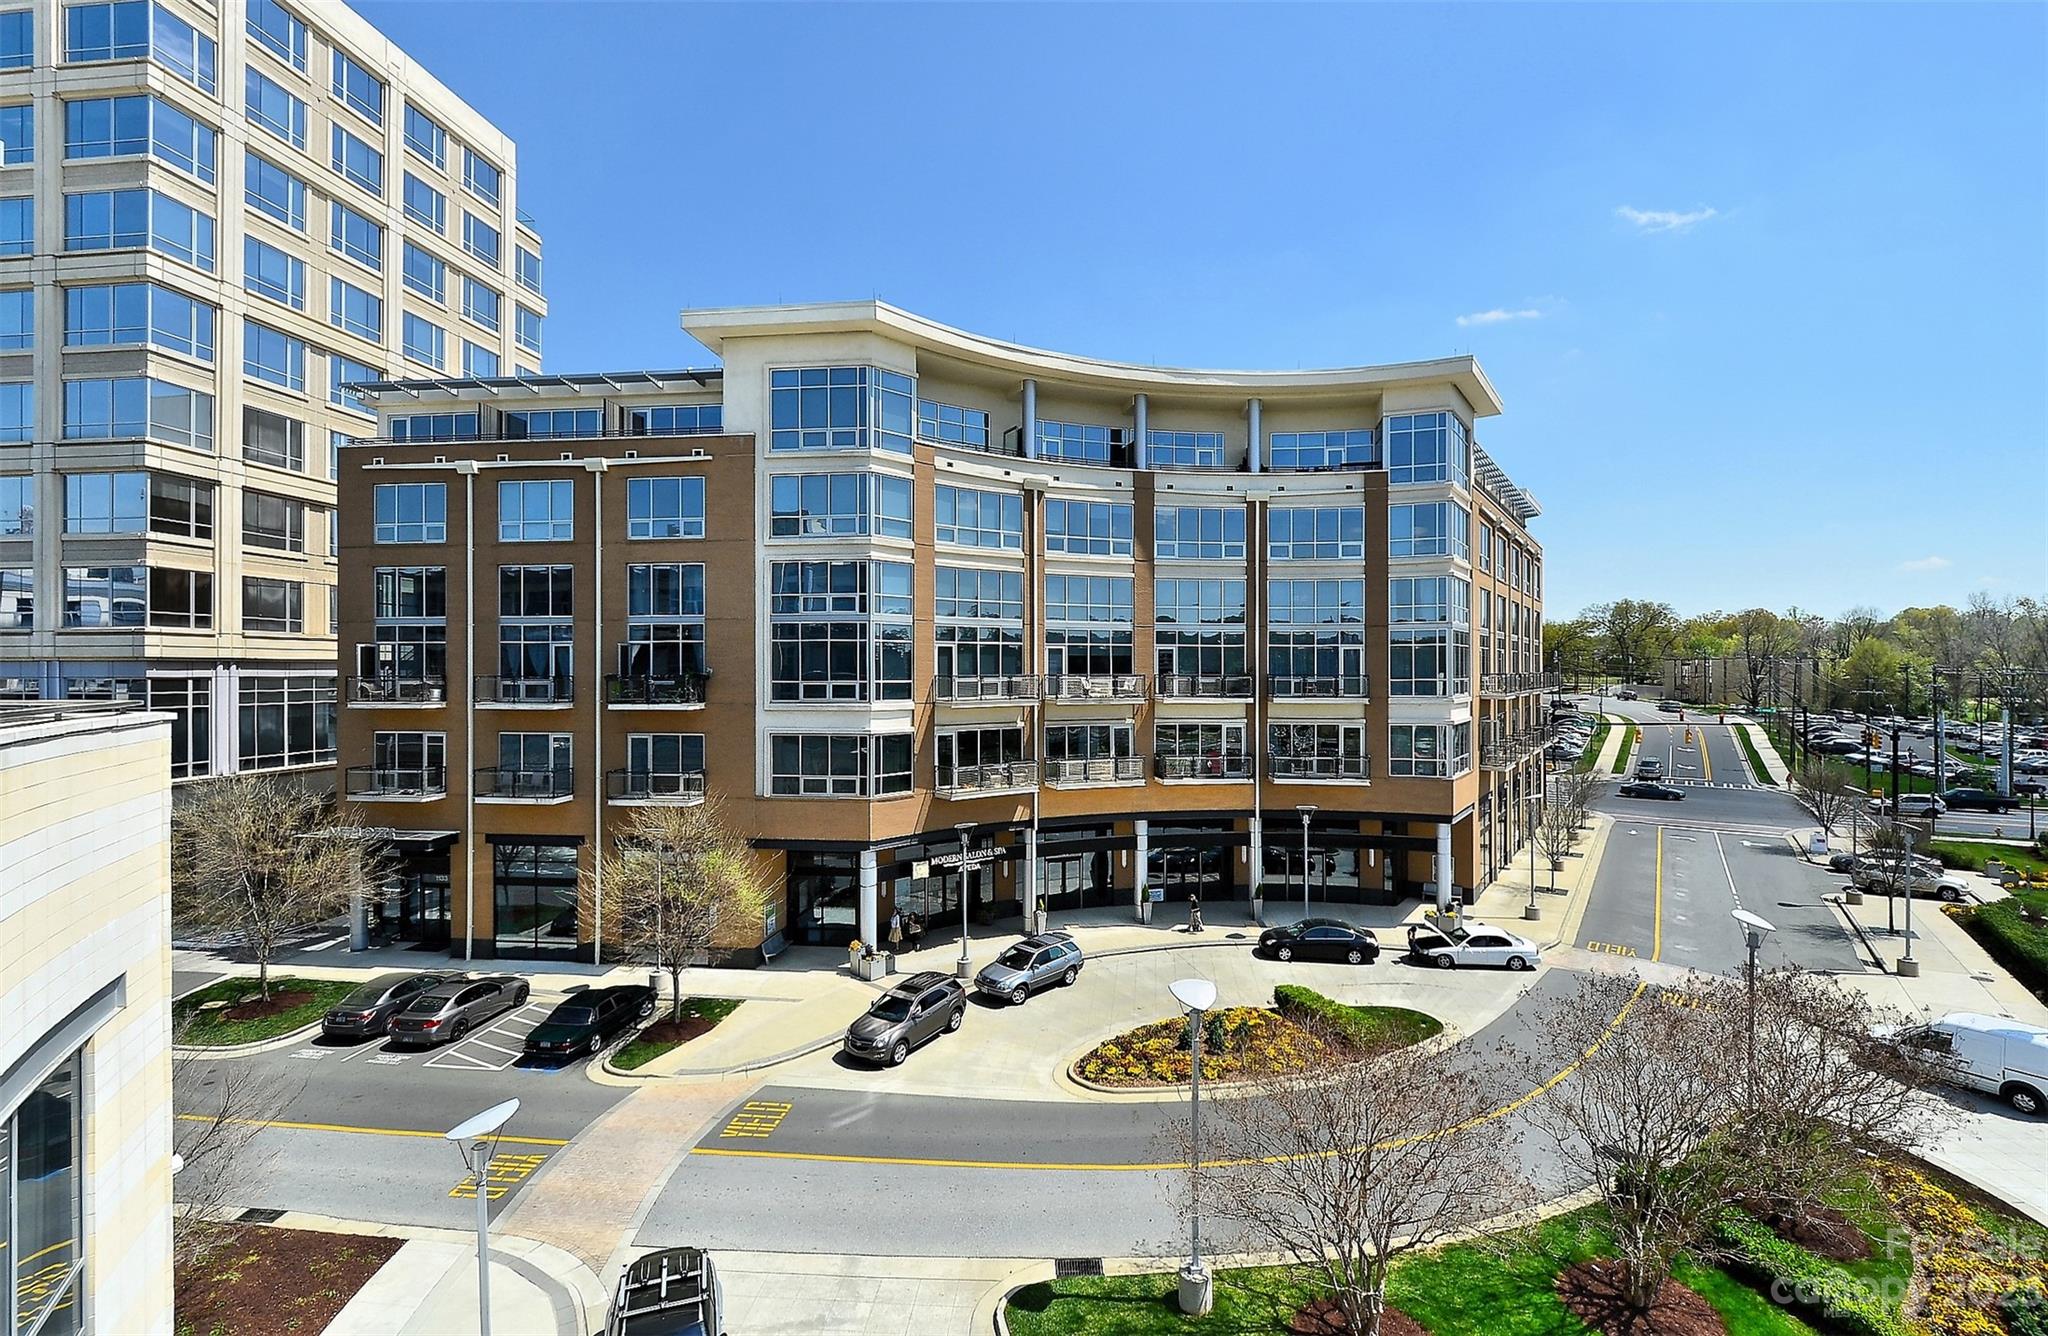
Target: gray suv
(905,1016)
(1032,964)
(367,1012)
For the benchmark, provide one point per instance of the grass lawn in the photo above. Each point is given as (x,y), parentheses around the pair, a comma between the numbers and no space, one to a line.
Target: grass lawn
(1594,744)
(1972,853)
(700,1014)
(196,1023)
(1629,738)
(1756,761)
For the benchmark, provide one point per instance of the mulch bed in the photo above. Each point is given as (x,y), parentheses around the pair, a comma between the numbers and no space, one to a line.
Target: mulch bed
(255,1009)
(1826,1233)
(675,1032)
(1322,1317)
(1597,1294)
(263,1280)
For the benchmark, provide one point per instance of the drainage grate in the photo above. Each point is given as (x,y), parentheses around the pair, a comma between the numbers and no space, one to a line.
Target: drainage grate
(1063,1267)
(259,1215)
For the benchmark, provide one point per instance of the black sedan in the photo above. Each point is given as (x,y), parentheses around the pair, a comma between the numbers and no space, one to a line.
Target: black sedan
(1659,792)
(585,1022)
(367,1012)
(1320,939)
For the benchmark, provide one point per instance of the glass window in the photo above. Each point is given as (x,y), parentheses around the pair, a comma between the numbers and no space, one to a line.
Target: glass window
(526,328)
(526,269)
(351,308)
(357,162)
(479,238)
(278,30)
(1302,751)
(838,764)
(17,318)
(411,512)
(180,507)
(1198,533)
(951,424)
(478,360)
(270,107)
(117,219)
(1183,449)
(343,372)
(550,423)
(1316,533)
(358,89)
(1088,625)
(270,189)
(480,178)
(665,507)
(1427,447)
(270,272)
(134,313)
(108,127)
(976,518)
(425,205)
(17,225)
(273,522)
(1198,629)
(434,427)
(137,406)
(1433,662)
(665,622)
(17,613)
(1084,443)
(425,138)
(42,1176)
(480,303)
(17,410)
(356,236)
(1308,450)
(676,420)
(425,341)
(817,505)
(1093,528)
(1431,529)
(17,505)
(273,439)
(1425,750)
(100,596)
(286,721)
(536,512)
(839,630)
(272,355)
(534,897)
(106,502)
(17,134)
(424,274)
(839,408)
(273,606)
(17,39)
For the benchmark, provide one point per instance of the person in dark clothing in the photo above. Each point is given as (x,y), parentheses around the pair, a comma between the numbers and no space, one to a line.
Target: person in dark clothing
(1194,913)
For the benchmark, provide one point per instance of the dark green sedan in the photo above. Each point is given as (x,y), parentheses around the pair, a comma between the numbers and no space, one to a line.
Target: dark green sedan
(585,1022)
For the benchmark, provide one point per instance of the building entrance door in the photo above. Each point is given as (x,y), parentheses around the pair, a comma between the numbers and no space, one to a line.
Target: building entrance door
(1180,873)
(1076,881)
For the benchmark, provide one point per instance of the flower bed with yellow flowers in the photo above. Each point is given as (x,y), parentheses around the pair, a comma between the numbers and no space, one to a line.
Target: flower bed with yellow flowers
(1253,1039)
(1971,1279)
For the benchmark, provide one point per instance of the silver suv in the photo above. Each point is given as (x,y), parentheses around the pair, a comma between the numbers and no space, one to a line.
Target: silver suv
(920,1007)
(1032,964)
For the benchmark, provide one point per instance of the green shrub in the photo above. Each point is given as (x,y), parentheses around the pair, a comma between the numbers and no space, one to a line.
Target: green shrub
(1802,1281)
(1360,1027)
(2025,1311)
(2002,929)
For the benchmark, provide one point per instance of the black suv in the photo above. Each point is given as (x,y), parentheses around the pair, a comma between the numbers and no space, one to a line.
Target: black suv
(1977,800)
(905,1016)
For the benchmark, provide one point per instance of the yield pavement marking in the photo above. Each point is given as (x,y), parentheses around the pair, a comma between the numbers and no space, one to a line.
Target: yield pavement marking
(756,1118)
(501,1175)
(363,1131)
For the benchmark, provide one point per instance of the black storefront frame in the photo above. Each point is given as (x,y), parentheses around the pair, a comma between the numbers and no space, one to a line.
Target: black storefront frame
(535,945)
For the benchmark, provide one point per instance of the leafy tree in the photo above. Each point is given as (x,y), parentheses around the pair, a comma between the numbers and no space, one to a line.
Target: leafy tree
(1870,673)
(1634,634)
(678,877)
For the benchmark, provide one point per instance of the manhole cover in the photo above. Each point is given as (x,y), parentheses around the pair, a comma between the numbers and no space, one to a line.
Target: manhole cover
(1076,1266)
(260,1215)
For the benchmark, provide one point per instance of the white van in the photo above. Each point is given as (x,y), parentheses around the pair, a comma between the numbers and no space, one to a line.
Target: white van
(2001,1057)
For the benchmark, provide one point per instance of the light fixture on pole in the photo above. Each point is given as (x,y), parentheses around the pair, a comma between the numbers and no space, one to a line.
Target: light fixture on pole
(1754,929)
(1307,810)
(1532,913)
(1909,964)
(964,968)
(477,1141)
(1197,1287)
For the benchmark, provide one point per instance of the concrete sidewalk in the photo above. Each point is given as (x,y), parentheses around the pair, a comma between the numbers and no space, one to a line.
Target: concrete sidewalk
(1780,774)
(1610,748)
(1506,900)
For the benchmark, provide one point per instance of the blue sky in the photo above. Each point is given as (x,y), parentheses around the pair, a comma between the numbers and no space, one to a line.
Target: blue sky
(1764,289)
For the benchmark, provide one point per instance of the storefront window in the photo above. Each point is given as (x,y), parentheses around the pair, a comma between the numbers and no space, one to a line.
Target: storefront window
(40,1170)
(535,891)
(824,899)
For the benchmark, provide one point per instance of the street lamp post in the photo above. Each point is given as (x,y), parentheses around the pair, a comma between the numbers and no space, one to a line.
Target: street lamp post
(1307,810)
(963,968)
(1197,1289)
(1909,966)
(1754,929)
(1532,913)
(477,1141)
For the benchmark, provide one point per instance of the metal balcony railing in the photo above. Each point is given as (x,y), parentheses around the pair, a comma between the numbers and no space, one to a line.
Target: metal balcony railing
(397,691)
(376,781)
(1511,684)
(1504,751)
(1101,770)
(1333,769)
(1193,686)
(1317,688)
(1097,686)
(996,690)
(678,689)
(1235,766)
(996,777)
(684,788)
(525,690)
(502,782)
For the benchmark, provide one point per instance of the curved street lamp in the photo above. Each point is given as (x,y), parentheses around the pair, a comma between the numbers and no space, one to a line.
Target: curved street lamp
(1197,1287)
(477,1140)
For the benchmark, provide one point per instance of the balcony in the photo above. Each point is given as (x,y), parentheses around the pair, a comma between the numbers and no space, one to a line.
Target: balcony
(1320,769)
(500,784)
(1229,768)
(676,691)
(986,690)
(418,784)
(1317,688)
(970,781)
(541,691)
(1504,751)
(419,691)
(1079,688)
(1101,770)
(1514,684)
(684,789)
(1191,686)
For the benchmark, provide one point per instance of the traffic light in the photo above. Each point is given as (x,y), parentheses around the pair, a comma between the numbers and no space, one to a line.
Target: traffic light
(1688,737)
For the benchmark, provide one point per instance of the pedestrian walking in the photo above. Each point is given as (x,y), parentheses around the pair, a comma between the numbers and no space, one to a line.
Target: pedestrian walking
(915,927)
(895,930)
(1194,913)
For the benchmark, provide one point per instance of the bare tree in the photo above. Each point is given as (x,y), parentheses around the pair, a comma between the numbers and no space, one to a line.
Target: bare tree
(678,878)
(1650,1087)
(1347,1168)
(1557,835)
(1572,792)
(1761,638)
(1827,791)
(257,857)
(223,1105)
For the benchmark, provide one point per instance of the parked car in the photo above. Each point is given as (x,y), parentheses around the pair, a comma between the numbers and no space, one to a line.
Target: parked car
(1649,768)
(582,1023)
(1029,965)
(1977,800)
(2030,788)
(915,1010)
(2001,1057)
(1836,746)
(448,1011)
(1320,939)
(1887,878)
(367,1012)
(1471,944)
(674,1292)
(1646,789)
(1848,862)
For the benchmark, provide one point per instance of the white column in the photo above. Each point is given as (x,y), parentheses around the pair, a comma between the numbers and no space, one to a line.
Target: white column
(1255,855)
(1256,453)
(870,900)
(1033,910)
(1140,415)
(1443,866)
(1030,419)
(1139,889)
(222,723)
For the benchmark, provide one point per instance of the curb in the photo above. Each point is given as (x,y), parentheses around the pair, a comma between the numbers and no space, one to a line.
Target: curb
(1876,960)
(634,1077)
(291,1039)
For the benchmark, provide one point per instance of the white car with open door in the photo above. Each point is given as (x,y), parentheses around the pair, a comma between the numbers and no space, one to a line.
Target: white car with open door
(1472,944)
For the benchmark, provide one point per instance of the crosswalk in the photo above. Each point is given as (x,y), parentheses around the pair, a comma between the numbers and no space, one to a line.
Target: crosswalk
(1635,825)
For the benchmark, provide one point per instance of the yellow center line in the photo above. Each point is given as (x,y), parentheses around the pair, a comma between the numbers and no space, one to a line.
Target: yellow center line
(1657,922)
(360,1131)
(1706,762)
(828,1157)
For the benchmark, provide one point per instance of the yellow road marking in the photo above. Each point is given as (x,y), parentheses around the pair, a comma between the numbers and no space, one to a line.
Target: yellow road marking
(828,1157)
(501,1175)
(364,1131)
(1706,762)
(756,1118)
(1657,923)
